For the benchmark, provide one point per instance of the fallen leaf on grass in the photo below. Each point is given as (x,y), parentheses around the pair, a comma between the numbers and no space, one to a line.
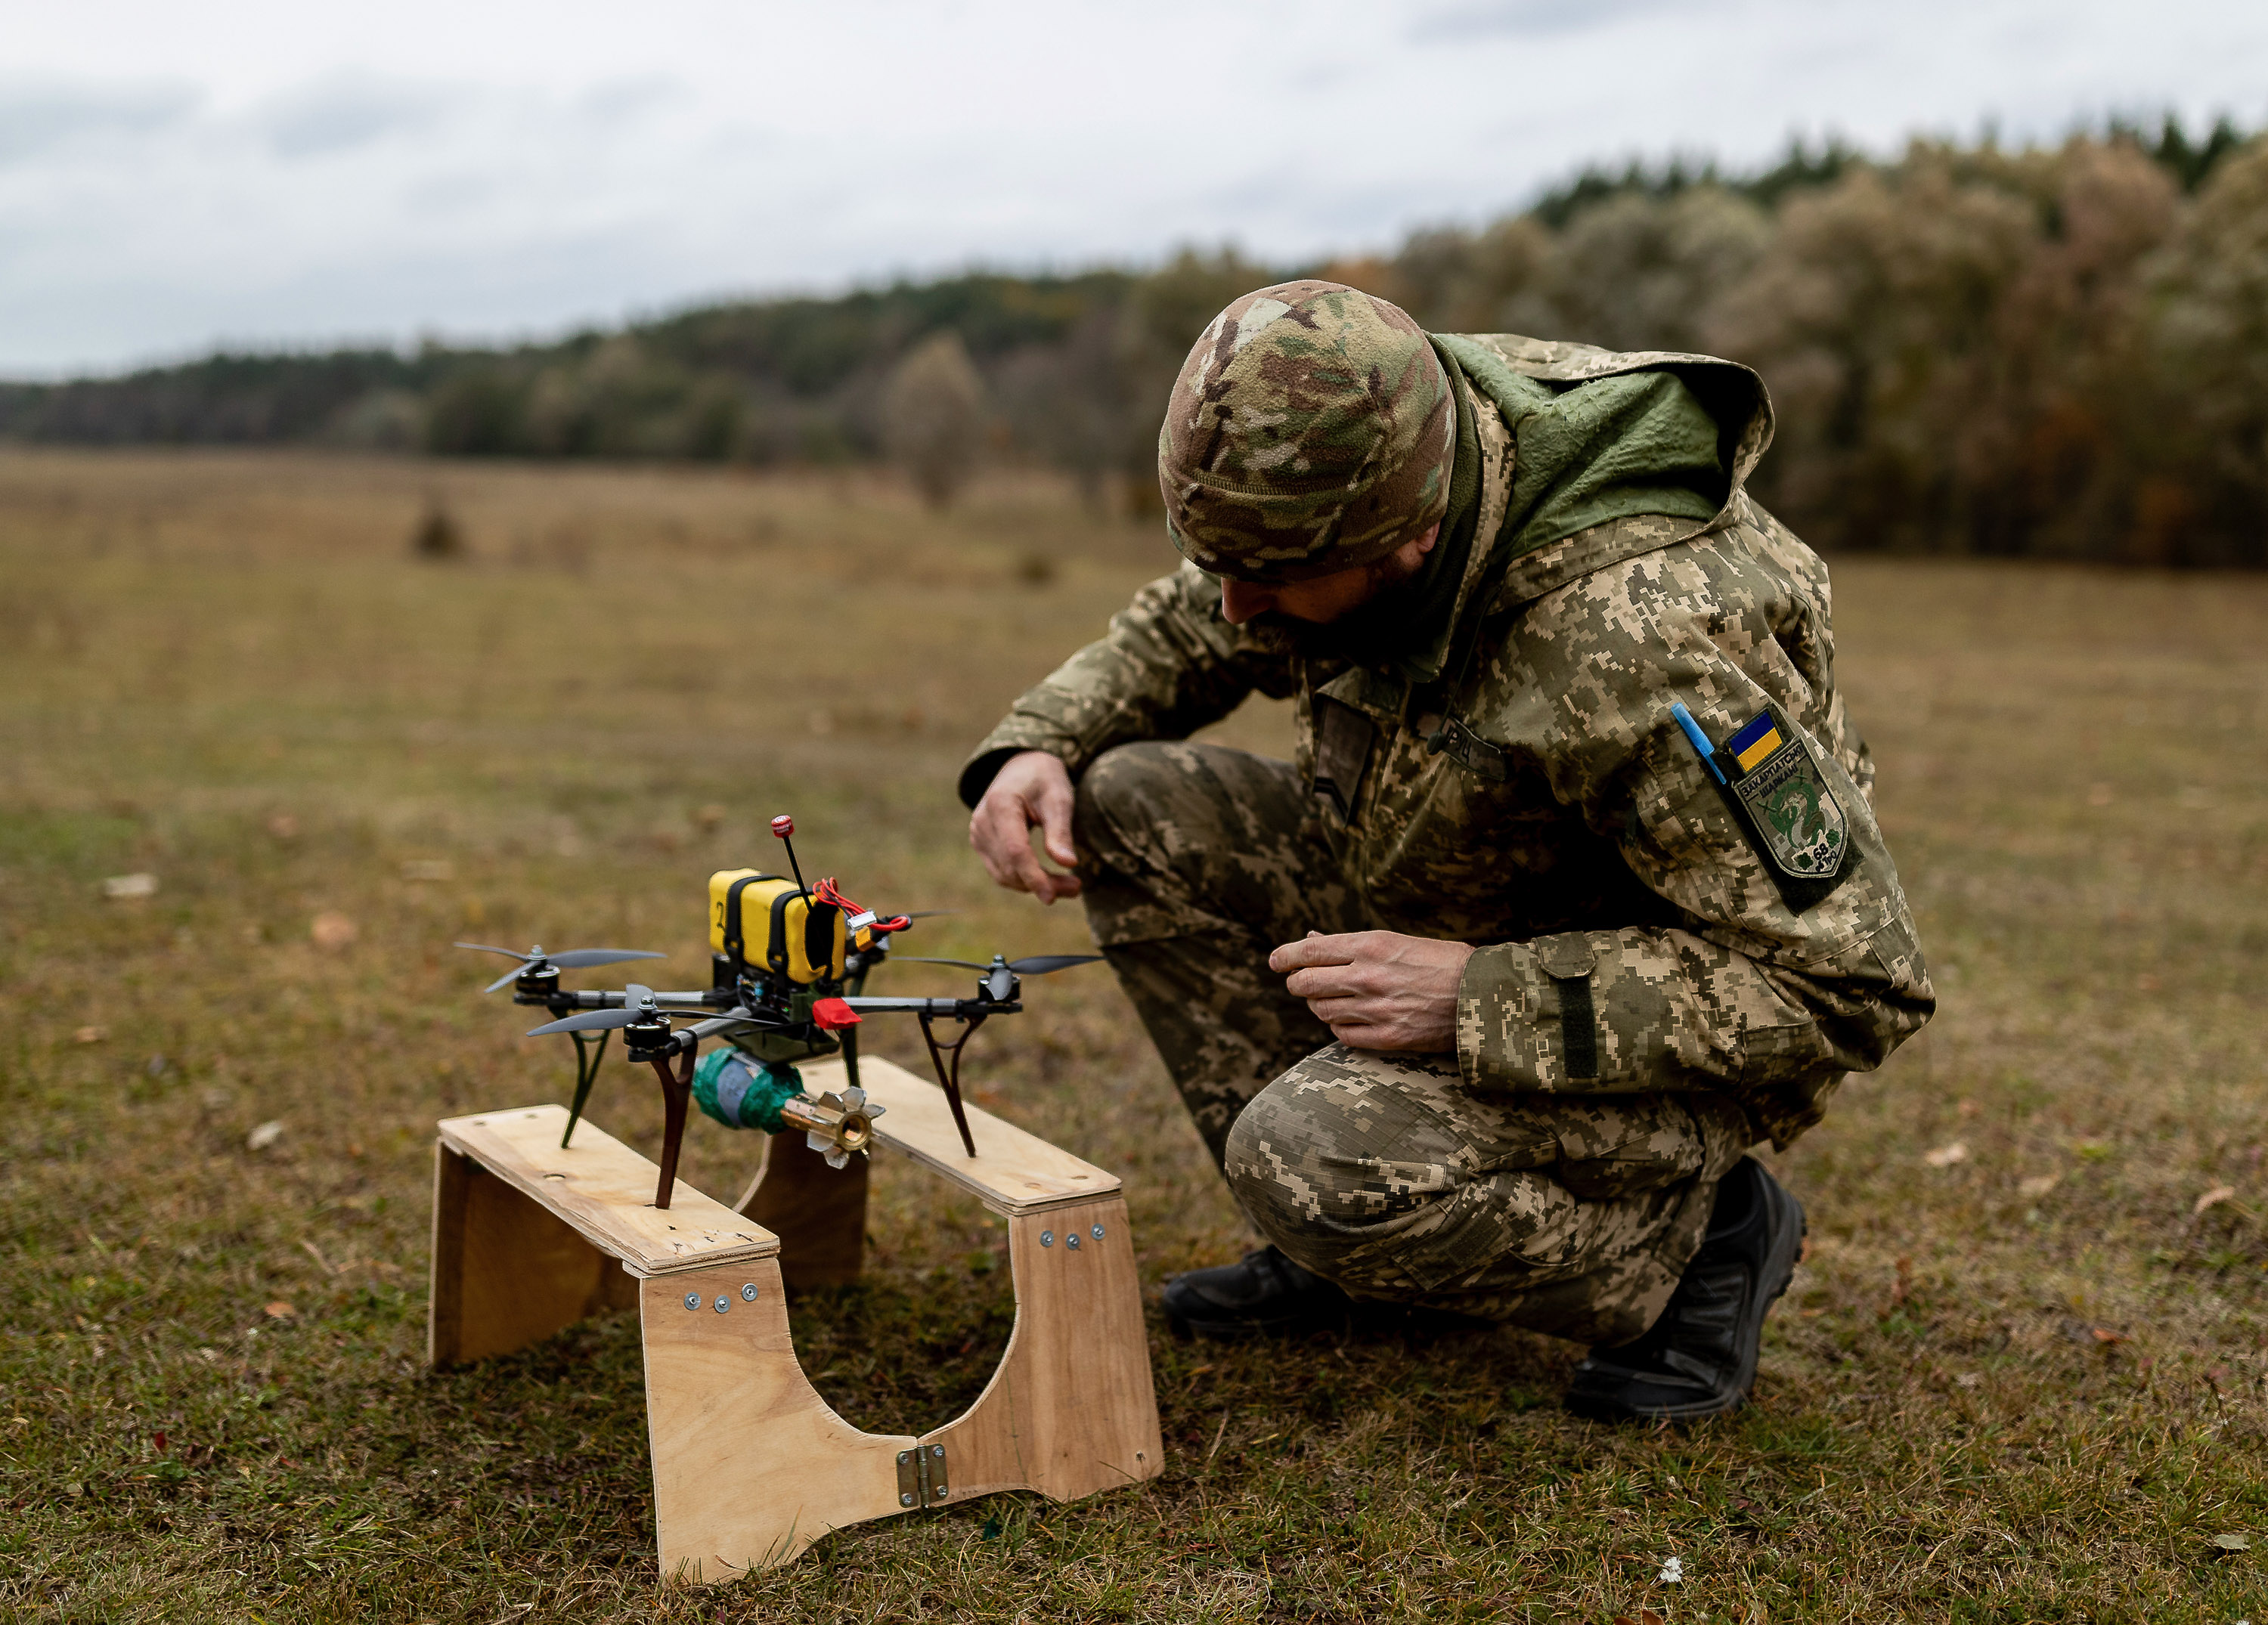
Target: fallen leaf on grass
(265,1136)
(1945,1156)
(1645,1616)
(130,885)
(1901,1291)
(1968,1379)
(332,930)
(2230,1540)
(279,1311)
(2105,1335)
(2214,1197)
(2038,1185)
(89,1035)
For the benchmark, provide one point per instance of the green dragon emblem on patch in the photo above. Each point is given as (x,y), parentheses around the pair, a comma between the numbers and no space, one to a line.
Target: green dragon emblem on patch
(1795,814)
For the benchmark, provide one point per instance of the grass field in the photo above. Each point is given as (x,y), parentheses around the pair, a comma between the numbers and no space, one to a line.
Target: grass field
(2021,1375)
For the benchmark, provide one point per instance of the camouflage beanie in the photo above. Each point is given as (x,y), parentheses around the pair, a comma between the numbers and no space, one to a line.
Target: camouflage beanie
(1311,431)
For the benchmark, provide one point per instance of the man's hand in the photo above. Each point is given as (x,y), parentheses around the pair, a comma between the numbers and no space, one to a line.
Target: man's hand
(1377,990)
(1031,791)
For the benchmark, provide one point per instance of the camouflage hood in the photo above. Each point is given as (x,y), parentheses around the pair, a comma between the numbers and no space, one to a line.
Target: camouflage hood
(1311,431)
(1598,435)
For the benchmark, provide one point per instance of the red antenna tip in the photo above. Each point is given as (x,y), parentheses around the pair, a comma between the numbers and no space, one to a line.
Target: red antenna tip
(783,825)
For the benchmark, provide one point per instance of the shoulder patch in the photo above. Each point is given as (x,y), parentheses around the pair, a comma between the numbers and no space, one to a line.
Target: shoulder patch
(1798,820)
(1768,775)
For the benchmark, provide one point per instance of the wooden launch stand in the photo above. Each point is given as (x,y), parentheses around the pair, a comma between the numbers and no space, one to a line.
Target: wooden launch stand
(750,1465)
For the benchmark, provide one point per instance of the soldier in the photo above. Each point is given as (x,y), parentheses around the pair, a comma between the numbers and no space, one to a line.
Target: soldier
(1573,892)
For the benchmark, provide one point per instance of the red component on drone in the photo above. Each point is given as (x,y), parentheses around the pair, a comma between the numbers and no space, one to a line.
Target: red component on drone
(860,919)
(783,825)
(829,1014)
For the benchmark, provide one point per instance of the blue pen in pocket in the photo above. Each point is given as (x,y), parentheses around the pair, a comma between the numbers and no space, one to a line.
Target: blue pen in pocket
(1700,740)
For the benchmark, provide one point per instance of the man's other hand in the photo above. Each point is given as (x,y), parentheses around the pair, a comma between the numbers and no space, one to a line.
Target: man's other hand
(1377,990)
(1031,791)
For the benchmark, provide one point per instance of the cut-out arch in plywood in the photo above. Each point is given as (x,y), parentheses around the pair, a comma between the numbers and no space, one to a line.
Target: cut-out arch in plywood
(750,1464)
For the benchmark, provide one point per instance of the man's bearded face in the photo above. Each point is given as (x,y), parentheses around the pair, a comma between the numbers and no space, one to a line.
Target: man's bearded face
(1301,616)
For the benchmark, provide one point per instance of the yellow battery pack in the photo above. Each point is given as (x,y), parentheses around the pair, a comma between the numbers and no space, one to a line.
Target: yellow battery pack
(765,923)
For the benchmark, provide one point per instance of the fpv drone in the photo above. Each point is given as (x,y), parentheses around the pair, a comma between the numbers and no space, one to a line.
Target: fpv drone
(789,969)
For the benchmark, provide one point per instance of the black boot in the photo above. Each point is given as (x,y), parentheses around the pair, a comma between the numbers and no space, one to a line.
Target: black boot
(1263,1292)
(1700,1358)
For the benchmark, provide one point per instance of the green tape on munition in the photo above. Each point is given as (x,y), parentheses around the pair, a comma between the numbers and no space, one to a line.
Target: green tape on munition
(740,1092)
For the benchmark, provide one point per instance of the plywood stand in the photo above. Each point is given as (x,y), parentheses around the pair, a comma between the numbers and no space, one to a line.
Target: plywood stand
(750,1465)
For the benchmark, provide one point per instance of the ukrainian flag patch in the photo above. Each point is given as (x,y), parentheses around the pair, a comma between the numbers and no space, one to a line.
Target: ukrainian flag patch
(1753,744)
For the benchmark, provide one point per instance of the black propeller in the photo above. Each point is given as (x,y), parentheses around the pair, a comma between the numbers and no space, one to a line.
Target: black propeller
(637,1007)
(1037,965)
(574,959)
(999,976)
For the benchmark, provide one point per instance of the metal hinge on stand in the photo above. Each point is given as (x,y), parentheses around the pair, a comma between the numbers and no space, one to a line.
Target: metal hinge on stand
(921,1475)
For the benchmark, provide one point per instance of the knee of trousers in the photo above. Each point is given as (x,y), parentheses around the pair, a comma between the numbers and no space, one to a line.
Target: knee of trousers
(1369,1189)
(1384,1174)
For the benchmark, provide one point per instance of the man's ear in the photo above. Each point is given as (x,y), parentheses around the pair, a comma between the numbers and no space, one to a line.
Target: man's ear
(1418,546)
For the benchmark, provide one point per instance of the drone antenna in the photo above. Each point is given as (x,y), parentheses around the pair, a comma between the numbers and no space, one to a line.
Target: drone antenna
(784,827)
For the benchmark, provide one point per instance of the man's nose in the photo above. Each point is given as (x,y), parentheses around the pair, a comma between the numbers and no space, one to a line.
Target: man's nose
(1240,602)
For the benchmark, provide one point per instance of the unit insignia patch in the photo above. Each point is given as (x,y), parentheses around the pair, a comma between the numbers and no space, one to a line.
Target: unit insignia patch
(1794,812)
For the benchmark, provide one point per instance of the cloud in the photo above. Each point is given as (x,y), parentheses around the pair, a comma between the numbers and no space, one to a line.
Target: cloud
(344,111)
(1535,18)
(38,118)
(523,165)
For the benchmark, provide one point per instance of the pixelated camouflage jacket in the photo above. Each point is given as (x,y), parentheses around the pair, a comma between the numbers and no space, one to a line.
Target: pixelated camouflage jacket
(1540,800)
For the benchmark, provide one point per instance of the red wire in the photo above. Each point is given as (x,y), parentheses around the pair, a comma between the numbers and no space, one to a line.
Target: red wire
(828,893)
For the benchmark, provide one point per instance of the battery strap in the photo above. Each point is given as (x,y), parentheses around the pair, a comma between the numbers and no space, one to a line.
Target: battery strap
(778,954)
(735,942)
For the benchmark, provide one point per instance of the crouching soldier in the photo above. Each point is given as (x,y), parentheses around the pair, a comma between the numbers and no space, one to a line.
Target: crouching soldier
(1573,892)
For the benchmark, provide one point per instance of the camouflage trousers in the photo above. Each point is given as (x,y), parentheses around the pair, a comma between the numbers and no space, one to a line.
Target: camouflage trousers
(1389,1174)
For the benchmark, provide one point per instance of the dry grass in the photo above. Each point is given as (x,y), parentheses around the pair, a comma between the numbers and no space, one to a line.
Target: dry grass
(2023,1382)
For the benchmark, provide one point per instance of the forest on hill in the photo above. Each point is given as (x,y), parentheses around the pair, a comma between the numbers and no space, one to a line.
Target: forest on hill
(2051,351)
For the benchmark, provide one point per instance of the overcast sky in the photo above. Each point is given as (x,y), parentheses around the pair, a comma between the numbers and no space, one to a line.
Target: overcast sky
(257,173)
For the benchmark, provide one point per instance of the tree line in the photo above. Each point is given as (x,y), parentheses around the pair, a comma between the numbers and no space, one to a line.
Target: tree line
(2045,351)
